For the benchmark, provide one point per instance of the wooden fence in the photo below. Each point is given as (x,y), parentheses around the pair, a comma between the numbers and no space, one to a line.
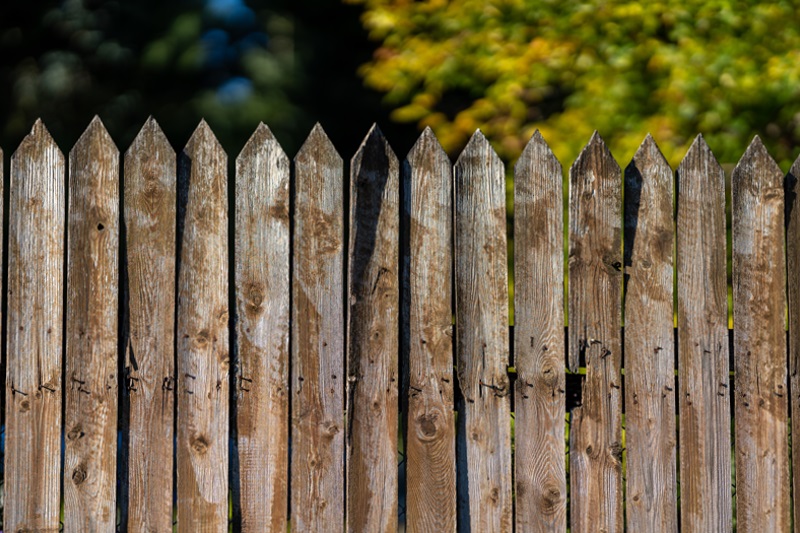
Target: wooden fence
(345,362)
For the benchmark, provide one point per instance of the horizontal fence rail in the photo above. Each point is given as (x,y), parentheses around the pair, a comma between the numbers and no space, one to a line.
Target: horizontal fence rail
(271,345)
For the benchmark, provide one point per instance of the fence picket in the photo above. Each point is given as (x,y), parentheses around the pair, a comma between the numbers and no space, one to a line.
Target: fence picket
(372,337)
(482,338)
(428,347)
(540,475)
(36,236)
(595,264)
(148,259)
(759,303)
(261,458)
(317,462)
(703,399)
(792,199)
(90,456)
(649,343)
(203,351)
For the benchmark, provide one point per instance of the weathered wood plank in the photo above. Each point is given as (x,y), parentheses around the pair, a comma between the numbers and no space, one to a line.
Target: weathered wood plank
(372,337)
(759,307)
(90,456)
(651,497)
(203,358)
(540,474)
(427,307)
(262,334)
(703,400)
(595,264)
(37,224)
(148,260)
(792,200)
(317,463)
(482,337)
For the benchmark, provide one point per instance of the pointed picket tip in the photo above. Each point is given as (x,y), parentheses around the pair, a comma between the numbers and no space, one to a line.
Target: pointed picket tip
(203,136)
(757,153)
(795,169)
(650,152)
(262,139)
(595,151)
(149,138)
(427,145)
(478,145)
(537,150)
(38,140)
(95,134)
(757,166)
(316,142)
(374,145)
(699,150)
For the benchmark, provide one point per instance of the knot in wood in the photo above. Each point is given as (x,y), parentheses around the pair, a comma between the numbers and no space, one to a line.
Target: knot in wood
(75,433)
(200,445)
(427,426)
(79,474)
(329,429)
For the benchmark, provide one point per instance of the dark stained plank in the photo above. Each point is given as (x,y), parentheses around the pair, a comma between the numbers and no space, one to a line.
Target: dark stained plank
(202,330)
(763,501)
(149,368)
(372,337)
(481,286)
(317,462)
(90,419)
(792,200)
(428,262)
(703,399)
(262,333)
(651,496)
(595,264)
(540,474)
(36,239)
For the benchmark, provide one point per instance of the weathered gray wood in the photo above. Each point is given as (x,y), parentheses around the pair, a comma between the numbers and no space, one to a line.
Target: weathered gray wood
(792,199)
(540,476)
(703,400)
(759,307)
(37,225)
(482,337)
(90,456)
(372,337)
(203,358)
(317,463)
(428,262)
(651,496)
(595,264)
(149,371)
(262,333)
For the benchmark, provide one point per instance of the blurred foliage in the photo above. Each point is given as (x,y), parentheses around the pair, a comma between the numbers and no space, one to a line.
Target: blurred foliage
(232,62)
(727,68)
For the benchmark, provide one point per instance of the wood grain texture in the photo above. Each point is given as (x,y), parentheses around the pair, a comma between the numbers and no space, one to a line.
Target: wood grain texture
(428,262)
(150,196)
(372,337)
(540,474)
(482,338)
(262,334)
(203,358)
(792,201)
(90,456)
(595,264)
(703,399)
(763,494)
(317,462)
(651,496)
(37,224)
